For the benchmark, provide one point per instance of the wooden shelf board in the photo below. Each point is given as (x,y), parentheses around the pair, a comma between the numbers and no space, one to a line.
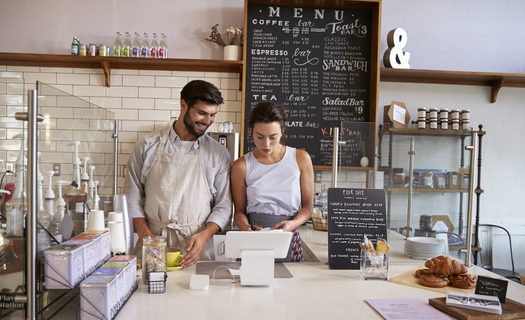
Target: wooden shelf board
(108,63)
(427,132)
(429,190)
(494,80)
(452,77)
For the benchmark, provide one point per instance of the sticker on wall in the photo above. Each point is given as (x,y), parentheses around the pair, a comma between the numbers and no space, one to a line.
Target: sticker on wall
(394,56)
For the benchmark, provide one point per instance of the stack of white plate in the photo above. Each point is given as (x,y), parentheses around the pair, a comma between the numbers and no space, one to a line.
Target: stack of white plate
(423,247)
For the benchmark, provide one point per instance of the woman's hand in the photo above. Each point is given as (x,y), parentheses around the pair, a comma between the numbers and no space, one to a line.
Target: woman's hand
(287,225)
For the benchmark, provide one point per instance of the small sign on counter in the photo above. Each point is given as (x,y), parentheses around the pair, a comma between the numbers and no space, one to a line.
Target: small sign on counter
(492,287)
(352,214)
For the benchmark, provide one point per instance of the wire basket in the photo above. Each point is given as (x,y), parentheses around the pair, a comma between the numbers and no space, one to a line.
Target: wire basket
(320,223)
(157,282)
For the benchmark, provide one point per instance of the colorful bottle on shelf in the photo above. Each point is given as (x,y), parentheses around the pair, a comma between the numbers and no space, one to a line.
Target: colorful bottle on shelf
(135,51)
(75,46)
(163,46)
(144,48)
(117,46)
(126,47)
(154,50)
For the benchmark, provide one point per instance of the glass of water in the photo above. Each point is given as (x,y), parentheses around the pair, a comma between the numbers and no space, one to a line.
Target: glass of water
(374,265)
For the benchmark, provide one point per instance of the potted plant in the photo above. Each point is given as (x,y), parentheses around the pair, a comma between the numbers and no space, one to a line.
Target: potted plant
(231,41)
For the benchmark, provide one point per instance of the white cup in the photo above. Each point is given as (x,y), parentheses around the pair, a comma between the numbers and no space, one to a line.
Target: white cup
(96,220)
(115,216)
(118,241)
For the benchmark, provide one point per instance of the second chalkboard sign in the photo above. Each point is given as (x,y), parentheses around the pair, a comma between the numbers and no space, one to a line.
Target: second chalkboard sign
(320,62)
(352,214)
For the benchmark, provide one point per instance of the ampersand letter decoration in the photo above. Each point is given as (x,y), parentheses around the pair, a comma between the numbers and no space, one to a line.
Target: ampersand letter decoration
(394,56)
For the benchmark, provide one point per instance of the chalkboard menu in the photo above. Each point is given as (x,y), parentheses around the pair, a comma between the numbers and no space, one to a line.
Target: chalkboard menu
(352,214)
(317,61)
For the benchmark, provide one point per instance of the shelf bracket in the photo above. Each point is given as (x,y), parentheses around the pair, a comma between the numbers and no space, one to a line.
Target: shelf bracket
(496,85)
(107,72)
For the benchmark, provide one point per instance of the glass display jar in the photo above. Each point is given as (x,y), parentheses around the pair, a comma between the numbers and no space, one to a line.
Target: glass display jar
(153,255)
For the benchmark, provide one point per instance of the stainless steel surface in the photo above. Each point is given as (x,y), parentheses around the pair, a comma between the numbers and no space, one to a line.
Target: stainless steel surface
(120,204)
(24,116)
(228,139)
(473,148)
(115,155)
(411,153)
(32,197)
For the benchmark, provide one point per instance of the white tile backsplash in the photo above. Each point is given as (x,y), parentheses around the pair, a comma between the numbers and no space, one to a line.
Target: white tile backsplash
(71,78)
(138,103)
(97,91)
(146,81)
(152,115)
(171,81)
(155,92)
(167,104)
(23,68)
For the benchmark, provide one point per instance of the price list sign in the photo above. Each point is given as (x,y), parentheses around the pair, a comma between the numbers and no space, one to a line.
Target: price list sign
(315,61)
(352,214)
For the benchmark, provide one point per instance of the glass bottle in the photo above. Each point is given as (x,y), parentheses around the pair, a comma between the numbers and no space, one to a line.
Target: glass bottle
(56,221)
(117,46)
(163,46)
(75,46)
(135,51)
(144,49)
(154,51)
(16,208)
(126,47)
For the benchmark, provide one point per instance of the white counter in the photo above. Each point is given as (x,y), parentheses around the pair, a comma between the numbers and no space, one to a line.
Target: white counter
(314,292)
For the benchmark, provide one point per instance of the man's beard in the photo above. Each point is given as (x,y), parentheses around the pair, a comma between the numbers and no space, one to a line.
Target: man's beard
(190,126)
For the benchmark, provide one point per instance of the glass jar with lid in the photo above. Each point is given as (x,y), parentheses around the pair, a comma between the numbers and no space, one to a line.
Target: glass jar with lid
(153,255)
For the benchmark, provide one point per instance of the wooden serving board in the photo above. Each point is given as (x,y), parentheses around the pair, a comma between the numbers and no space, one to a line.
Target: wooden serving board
(408,279)
(510,310)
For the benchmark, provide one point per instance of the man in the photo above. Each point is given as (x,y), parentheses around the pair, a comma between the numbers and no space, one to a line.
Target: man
(178,178)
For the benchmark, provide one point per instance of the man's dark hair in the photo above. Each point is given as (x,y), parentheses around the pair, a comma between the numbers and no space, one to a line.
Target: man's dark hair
(267,112)
(199,90)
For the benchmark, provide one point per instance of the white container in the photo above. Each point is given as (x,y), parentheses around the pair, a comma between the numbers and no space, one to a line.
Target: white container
(64,266)
(98,298)
(120,275)
(130,271)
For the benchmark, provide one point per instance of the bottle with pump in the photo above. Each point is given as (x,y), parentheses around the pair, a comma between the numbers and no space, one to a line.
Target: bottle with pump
(154,51)
(163,46)
(144,49)
(117,46)
(91,189)
(96,198)
(76,167)
(60,210)
(75,197)
(135,51)
(84,180)
(16,208)
(126,47)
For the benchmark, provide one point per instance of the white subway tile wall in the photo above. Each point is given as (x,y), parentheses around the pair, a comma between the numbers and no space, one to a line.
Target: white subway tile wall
(142,101)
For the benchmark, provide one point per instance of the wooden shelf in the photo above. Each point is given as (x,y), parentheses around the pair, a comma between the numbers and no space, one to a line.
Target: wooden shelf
(429,190)
(108,63)
(494,80)
(427,132)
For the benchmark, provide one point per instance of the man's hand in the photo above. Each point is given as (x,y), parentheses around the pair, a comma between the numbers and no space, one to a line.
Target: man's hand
(194,249)
(197,243)
(141,228)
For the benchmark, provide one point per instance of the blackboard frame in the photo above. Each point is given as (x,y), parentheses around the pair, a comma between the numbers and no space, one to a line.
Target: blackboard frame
(374,6)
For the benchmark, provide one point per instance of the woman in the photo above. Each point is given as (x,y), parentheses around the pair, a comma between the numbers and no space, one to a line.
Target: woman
(273,185)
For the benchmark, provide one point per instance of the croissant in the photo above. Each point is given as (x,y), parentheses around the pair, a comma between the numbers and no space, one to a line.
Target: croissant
(445,266)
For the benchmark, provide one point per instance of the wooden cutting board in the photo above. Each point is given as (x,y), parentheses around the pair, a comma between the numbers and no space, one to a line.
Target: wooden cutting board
(510,310)
(408,279)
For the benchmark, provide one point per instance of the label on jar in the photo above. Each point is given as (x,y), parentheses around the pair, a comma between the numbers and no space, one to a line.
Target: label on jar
(433,125)
(421,124)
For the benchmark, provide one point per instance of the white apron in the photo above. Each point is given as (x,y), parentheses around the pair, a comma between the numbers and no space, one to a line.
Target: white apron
(178,199)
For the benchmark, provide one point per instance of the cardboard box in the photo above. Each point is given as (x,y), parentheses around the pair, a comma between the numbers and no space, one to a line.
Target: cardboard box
(396,115)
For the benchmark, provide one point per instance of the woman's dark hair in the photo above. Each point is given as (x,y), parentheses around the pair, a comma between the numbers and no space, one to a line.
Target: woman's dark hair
(199,90)
(267,112)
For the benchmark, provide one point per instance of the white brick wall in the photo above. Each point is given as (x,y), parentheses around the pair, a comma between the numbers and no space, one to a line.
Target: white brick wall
(143,100)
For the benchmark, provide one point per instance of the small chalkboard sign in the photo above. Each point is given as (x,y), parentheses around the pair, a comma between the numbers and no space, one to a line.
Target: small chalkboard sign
(492,287)
(352,214)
